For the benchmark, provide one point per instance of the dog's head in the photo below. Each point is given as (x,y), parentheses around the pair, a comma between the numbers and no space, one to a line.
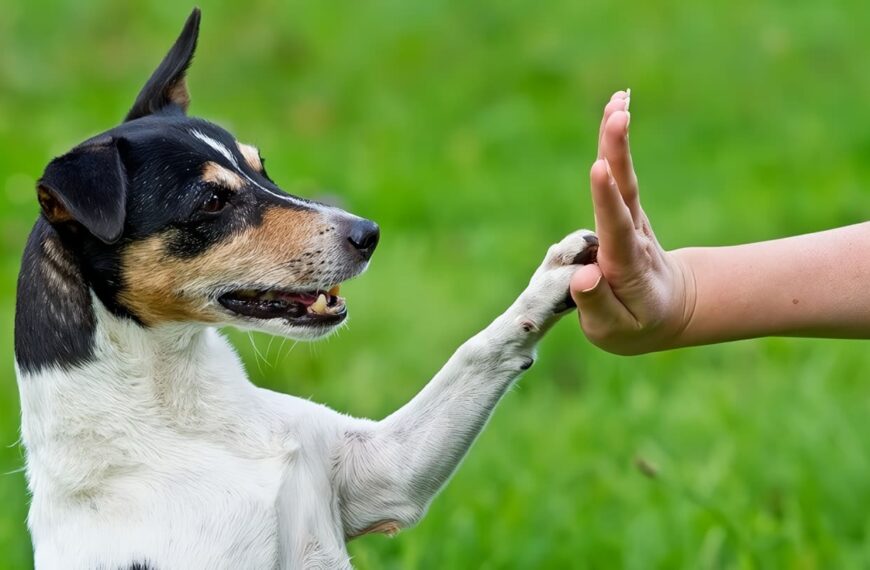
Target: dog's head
(173,220)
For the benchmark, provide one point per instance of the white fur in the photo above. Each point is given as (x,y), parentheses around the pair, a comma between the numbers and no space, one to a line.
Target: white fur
(160,450)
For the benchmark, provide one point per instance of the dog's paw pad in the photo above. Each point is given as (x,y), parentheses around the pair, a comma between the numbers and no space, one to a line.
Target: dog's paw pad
(590,253)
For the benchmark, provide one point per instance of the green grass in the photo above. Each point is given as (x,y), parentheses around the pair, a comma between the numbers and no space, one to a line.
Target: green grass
(466,130)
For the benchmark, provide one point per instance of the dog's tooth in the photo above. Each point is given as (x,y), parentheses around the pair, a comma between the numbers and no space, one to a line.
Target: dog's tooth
(334,291)
(268,296)
(319,306)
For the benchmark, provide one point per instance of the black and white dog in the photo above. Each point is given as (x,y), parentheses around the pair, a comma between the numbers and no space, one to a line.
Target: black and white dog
(147,446)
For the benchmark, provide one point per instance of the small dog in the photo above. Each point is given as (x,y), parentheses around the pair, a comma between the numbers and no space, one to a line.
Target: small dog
(147,446)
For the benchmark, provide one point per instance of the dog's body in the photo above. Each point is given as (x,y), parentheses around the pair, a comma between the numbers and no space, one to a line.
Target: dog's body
(147,446)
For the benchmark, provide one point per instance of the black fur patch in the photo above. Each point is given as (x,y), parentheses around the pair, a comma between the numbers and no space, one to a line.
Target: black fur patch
(54,320)
(91,184)
(166,86)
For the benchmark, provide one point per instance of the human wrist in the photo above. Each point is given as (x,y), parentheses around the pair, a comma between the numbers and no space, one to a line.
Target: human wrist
(677,330)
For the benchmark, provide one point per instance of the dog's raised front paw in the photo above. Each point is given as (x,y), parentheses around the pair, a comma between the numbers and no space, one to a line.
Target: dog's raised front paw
(577,248)
(547,295)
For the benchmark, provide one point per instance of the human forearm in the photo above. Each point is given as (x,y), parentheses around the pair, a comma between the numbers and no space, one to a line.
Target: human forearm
(810,285)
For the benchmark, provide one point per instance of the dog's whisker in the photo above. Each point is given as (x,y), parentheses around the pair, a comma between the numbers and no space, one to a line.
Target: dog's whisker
(280,349)
(269,352)
(257,354)
(289,350)
(21,469)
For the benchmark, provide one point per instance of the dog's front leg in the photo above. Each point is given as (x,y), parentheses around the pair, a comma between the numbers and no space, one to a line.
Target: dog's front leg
(387,472)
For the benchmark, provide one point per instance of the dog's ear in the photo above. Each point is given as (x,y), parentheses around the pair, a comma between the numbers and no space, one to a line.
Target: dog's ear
(167,86)
(88,186)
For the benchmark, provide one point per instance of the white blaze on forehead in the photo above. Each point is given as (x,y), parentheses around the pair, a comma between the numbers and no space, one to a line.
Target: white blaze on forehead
(225,152)
(218,146)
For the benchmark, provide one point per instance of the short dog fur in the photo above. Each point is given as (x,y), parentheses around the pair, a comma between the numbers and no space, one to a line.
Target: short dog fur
(147,446)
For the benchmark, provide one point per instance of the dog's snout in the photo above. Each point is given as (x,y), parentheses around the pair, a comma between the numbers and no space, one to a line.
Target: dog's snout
(363,236)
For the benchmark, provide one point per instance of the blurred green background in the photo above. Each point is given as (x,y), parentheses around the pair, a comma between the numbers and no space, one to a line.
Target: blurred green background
(466,129)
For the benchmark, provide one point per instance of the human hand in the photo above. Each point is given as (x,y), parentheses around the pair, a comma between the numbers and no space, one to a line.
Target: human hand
(638,297)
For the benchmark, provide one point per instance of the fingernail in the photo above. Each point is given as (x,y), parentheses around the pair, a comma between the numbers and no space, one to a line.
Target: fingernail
(627,99)
(627,121)
(593,288)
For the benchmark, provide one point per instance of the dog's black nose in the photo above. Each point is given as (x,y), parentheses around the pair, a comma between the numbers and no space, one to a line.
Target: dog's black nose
(364,236)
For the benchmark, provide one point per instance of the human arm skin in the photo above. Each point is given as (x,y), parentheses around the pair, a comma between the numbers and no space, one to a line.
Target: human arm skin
(814,285)
(640,298)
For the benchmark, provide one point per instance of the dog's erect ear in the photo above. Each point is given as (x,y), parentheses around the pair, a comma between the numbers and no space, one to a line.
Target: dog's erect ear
(87,185)
(167,85)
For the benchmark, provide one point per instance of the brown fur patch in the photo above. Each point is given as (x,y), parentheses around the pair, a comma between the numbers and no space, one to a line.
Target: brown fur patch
(179,94)
(252,156)
(53,209)
(160,288)
(217,174)
(390,528)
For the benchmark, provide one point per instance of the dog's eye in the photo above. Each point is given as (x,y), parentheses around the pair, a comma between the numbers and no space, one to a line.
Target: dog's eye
(215,202)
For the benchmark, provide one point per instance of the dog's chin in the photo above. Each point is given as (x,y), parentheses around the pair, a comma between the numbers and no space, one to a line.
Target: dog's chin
(286,329)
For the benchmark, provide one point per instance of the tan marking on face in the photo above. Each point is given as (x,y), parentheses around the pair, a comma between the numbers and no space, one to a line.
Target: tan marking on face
(217,174)
(252,156)
(159,287)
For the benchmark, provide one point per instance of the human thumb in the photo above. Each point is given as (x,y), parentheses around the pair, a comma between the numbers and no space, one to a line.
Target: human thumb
(601,312)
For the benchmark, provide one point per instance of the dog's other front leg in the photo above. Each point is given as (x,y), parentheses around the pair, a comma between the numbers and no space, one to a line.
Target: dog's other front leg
(387,472)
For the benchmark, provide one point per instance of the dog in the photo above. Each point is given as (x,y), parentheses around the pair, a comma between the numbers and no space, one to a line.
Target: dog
(146,445)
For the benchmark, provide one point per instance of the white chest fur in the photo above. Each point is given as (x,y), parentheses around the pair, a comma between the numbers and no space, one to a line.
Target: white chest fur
(161,453)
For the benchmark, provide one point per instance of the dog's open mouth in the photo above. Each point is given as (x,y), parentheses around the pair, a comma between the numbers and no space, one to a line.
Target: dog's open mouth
(306,307)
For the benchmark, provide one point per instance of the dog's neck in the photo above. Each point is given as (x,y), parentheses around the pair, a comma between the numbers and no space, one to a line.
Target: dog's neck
(94,382)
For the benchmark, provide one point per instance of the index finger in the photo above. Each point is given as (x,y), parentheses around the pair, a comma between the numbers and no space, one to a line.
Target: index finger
(613,221)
